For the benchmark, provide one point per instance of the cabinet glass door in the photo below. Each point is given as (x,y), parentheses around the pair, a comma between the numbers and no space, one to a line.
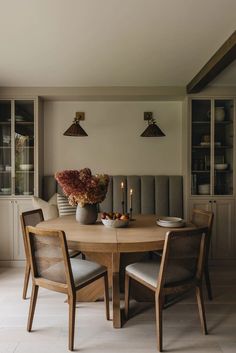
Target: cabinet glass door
(223,146)
(212,147)
(5,148)
(201,147)
(24,147)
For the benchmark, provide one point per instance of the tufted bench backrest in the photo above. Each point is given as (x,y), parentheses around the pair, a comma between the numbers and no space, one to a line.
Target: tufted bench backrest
(152,194)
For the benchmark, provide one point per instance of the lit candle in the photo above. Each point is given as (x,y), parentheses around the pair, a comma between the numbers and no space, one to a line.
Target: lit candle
(123,197)
(131,196)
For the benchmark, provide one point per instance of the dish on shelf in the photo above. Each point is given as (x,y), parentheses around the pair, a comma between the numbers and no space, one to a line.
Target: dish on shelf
(208,143)
(5,190)
(221,166)
(27,193)
(19,118)
(26,167)
(204,189)
(8,168)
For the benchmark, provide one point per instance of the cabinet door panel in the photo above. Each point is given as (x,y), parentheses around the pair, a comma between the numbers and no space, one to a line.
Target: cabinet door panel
(202,204)
(19,207)
(6,233)
(223,231)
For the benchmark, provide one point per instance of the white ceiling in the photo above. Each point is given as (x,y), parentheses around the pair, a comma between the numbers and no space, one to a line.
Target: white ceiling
(110,42)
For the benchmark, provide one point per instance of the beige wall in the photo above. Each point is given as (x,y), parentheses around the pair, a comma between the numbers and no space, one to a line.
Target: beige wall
(114,145)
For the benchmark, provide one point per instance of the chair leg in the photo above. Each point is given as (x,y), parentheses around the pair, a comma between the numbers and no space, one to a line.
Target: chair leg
(72,307)
(26,280)
(127,295)
(106,296)
(159,307)
(208,283)
(33,300)
(201,309)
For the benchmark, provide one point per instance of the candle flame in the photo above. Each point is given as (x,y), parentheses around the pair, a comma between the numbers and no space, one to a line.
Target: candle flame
(131,192)
(122,185)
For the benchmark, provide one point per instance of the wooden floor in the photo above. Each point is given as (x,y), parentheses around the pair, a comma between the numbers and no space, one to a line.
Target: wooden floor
(94,334)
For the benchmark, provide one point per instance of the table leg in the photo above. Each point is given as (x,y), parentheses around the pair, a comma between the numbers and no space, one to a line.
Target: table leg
(116,290)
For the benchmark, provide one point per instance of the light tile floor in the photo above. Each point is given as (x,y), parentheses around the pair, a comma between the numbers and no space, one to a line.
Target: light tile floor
(93,333)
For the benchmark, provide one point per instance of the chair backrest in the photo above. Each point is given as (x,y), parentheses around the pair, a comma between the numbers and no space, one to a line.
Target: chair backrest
(202,218)
(30,218)
(183,257)
(49,258)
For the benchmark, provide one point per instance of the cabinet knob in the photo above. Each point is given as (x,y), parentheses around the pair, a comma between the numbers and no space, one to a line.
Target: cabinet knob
(210,201)
(214,201)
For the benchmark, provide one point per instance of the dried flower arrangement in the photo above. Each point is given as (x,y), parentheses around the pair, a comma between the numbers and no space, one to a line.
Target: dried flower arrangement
(81,187)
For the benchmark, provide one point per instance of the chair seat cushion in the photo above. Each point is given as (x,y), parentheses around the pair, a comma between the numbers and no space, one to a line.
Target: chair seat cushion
(84,270)
(148,272)
(73,253)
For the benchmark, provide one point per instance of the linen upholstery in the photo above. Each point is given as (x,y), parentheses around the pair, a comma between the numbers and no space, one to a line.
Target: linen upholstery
(82,270)
(148,272)
(182,260)
(50,263)
(160,194)
(64,208)
(49,208)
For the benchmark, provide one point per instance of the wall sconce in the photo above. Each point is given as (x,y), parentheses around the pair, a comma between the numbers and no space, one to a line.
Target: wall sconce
(152,130)
(75,129)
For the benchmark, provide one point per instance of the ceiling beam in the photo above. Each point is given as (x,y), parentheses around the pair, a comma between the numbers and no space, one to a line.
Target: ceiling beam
(224,56)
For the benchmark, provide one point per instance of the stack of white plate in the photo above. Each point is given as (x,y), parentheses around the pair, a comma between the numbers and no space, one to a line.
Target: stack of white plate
(204,189)
(170,222)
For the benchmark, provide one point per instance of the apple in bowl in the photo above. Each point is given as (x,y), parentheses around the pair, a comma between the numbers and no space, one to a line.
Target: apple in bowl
(115,219)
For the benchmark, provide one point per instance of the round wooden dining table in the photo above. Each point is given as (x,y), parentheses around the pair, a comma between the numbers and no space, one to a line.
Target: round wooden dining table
(142,234)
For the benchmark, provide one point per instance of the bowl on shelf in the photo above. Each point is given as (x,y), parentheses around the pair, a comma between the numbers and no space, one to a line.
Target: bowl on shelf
(204,189)
(6,190)
(27,193)
(8,168)
(26,167)
(221,166)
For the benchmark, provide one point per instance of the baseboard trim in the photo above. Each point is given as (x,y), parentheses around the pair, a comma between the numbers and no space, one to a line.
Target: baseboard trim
(12,263)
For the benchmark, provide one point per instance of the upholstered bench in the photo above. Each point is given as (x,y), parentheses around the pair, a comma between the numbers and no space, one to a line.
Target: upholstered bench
(152,194)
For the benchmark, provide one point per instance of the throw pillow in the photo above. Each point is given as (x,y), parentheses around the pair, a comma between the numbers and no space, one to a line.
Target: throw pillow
(50,209)
(64,208)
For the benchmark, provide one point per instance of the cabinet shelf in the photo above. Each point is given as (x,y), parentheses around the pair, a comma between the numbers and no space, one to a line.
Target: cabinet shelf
(207,122)
(24,122)
(200,171)
(208,147)
(219,150)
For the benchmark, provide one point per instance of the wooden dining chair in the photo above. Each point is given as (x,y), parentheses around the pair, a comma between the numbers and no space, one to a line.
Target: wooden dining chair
(32,218)
(53,269)
(202,218)
(179,270)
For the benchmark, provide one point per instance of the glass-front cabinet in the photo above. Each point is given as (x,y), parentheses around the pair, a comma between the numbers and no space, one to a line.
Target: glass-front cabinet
(212,147)
(17,147)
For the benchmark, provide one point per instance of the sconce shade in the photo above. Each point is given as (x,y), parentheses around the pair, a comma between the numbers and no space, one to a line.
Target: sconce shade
(152,131)
(75,129)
